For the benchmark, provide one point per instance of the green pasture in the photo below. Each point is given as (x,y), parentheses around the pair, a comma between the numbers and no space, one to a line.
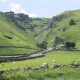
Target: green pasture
(47,74)
(54,57)
(5,51)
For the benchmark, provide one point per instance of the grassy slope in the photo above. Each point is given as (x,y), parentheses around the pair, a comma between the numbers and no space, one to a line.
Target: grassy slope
(19,37)
(44,31)
(72,33)
(35,27)
(40,29)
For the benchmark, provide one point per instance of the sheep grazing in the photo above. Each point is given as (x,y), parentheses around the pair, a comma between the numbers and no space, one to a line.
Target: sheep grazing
(14,62)
(44,66)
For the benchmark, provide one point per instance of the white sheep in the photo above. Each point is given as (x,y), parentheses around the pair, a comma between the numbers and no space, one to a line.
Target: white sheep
(14,62)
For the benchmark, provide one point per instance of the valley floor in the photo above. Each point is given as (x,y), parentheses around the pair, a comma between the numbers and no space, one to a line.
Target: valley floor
(53,57)
(16,70)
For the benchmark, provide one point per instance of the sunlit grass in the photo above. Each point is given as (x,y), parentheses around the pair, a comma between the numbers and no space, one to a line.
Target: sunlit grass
(54,57)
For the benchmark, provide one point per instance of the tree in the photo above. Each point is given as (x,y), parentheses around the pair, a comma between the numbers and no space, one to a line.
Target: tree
(72,22)
(70,45)
(42,45)
(73,44)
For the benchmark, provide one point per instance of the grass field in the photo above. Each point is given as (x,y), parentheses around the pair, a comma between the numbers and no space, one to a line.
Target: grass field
(5,51)
(60,57)
(54,57)
(47,74)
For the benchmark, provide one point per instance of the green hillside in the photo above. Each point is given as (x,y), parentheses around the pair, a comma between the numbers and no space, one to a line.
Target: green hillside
(21,35)
(61,28)
(17,32)
(11,35)
(34,27)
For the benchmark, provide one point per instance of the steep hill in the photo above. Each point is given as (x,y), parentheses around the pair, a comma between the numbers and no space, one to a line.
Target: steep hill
(17,31)
(32,26)
(11,35)
(61,30)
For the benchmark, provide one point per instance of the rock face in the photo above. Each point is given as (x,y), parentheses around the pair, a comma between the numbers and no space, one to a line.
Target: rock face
(58,40)
(23,17)
(10,14)
(57,18)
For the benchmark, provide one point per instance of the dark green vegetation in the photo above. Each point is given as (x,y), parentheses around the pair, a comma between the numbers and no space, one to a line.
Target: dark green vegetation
(69,45)
(72,22)
(42,45)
